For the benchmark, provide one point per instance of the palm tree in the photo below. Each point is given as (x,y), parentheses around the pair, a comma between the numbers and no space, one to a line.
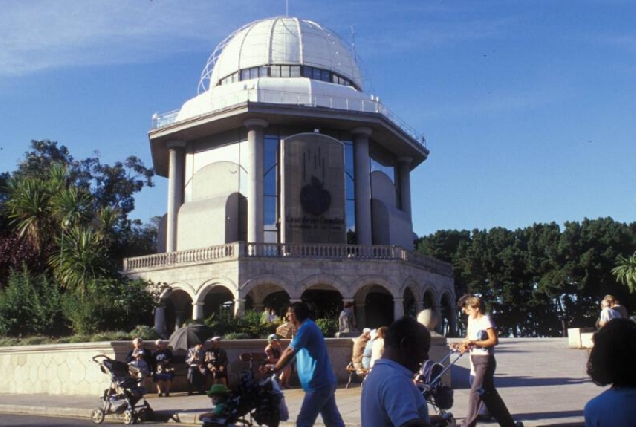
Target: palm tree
(28,205)
(82,259)
(625,271)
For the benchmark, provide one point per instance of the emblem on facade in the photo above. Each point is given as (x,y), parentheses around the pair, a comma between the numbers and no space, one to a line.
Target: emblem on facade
(314,199)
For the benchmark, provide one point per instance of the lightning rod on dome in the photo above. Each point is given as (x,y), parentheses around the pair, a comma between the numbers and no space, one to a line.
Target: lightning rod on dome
(353,40)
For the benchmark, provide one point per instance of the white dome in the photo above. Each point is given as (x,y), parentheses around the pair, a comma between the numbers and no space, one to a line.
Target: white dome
(280,41)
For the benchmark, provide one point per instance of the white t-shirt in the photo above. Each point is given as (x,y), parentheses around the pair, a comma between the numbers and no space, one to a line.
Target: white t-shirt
(478,331)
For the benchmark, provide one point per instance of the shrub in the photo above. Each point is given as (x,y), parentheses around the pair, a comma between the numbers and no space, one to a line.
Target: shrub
(30,305)
(144,332)
(9,342)
(79,338)
(108,304)
(329,327)
(36,340)
(248,325)
(237,336)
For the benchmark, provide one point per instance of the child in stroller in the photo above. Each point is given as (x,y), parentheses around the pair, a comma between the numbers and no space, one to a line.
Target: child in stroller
(438,395)
(124,398)
(261,400)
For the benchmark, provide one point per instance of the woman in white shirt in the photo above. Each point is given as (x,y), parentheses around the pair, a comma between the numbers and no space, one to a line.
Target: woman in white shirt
(481,340)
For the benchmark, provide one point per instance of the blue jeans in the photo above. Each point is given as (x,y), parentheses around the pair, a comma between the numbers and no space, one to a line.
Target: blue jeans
(323,402)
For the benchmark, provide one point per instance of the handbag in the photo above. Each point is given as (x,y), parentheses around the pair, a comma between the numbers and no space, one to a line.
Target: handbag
(283,410)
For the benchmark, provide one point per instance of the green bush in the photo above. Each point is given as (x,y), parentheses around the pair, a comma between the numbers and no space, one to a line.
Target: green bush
(79,338)
(248,325)
(329,327)
(9,342)
(108,304)
(30,305)
(237,336)
(36,340)
(144,332)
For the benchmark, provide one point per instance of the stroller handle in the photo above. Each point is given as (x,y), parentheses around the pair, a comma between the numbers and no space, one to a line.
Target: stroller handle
(100,356)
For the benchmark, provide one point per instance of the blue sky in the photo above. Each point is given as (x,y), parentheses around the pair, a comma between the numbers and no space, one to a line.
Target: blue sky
(529,108)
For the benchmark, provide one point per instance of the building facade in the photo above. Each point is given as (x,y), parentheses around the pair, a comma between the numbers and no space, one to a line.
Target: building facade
(287,182)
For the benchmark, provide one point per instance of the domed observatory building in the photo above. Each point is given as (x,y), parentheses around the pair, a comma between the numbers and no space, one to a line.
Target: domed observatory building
(288,182)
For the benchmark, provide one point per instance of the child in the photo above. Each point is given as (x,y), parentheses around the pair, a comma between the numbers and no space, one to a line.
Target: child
(219,394)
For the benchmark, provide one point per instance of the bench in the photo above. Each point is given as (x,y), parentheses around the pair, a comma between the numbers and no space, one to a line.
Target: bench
(359,373)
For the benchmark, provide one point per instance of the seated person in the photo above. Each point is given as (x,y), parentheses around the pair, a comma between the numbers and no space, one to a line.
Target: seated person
(273,351)
(216,361)
(368,350)
(358,348)
(140,360)
(164,372)
(196,368)
(219,394)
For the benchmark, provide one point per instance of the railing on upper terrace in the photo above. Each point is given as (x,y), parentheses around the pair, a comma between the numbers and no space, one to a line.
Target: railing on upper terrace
(238,250)
(265,96)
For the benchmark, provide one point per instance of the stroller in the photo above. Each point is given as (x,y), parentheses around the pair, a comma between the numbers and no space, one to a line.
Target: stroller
(438,395)
(125,397)
(261,400)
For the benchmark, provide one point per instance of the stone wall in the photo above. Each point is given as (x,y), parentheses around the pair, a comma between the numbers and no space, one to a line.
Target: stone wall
(68,369)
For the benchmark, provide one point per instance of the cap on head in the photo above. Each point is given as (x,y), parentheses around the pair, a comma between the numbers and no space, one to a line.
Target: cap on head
(215,339)
(273,337)
(366,331)
(218,389)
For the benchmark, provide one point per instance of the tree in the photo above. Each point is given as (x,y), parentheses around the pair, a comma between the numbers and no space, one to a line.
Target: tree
(625,271)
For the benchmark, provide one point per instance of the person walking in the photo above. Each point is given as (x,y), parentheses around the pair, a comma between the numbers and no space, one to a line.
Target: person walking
(616,305)
(607,313)
(610,363)
(314,369)
(481,340)
(389,396)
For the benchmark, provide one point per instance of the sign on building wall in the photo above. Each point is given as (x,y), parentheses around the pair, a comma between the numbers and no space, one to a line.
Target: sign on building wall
(313,192)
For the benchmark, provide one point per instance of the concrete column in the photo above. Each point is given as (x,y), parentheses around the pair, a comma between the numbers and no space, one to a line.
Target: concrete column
(405,185)
(160,320)
(362,165)
(361,316)
(419,306)
(179,319)
(398,308)
(239,307)
(197,311)
(255,179)
(175,192)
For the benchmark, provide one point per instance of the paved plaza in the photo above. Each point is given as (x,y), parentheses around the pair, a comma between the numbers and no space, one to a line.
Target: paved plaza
(542,381)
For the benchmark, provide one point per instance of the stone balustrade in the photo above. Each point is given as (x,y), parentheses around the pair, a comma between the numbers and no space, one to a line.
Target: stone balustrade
(240,250)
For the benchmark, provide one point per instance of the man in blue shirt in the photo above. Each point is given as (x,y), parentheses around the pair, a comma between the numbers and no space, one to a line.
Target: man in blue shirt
(389,397)
(314,369)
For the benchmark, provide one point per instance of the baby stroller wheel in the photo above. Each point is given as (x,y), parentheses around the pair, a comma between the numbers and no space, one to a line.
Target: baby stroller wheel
(97,415)
(129,416)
